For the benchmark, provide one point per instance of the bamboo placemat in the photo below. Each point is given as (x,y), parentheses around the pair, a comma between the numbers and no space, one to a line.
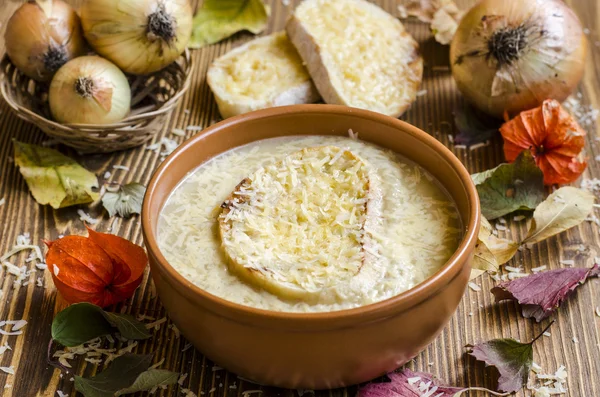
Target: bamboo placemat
(477,319)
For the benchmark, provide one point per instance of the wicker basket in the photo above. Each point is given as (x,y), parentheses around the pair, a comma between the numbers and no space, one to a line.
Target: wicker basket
(153,98)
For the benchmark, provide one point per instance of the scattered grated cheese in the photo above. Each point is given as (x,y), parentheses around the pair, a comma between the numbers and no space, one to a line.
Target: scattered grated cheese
(158,364)
(586,115)
(598,311)
(142,317)
(56,270)
(182,378)
(567,262)
(186,347)
(518,218)
(421,93)
(188,393)
(479,145)
(156,324)
(9,370)
(107,175)
(4,348)
(352,134)
(121,167)
(535,367)
(514,269)
(513,275)
(500,227)
(474,286)
(216,368)
(169,146)
(249,392)
(591,184)
(17,325)
(194,128)
(178,132)
(2,201)
(575,340)
(412,381)
(24,243)
(175,330)
(85,217)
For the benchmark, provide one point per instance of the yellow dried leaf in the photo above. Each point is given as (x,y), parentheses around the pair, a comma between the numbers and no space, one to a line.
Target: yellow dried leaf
(219,19)
(54,178)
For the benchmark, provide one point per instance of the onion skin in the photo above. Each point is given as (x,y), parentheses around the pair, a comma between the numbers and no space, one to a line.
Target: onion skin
(119,30)
(30,35)
(104,98)
(496,87)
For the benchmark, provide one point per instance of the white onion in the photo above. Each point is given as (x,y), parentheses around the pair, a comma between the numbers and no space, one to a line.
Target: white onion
(89,90)
(511,55)
(41,37)
(139,36)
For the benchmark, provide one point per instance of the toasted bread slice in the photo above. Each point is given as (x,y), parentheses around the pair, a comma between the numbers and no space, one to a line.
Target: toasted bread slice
(263,73)
(357,54)
(301,228)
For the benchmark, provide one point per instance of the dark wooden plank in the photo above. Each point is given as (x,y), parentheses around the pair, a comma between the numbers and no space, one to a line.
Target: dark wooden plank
(478,318)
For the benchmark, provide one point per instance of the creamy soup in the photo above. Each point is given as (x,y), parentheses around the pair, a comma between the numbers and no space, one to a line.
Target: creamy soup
(416,230)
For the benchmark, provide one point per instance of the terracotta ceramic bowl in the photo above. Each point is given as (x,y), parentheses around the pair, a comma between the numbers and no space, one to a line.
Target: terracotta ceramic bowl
(314,350)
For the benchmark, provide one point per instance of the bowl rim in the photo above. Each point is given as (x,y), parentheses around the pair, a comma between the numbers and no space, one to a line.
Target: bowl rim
(394,304)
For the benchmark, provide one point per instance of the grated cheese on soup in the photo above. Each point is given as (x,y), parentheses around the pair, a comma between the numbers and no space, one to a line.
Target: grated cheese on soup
(417,232)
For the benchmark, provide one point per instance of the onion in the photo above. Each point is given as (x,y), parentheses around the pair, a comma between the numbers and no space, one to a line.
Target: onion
(89,90)
(511,55)
(42,36)
(139,36)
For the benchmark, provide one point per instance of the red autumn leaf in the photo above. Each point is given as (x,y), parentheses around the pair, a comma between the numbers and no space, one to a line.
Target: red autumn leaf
(555,139)
(102,269)
(542,293)
(408,384)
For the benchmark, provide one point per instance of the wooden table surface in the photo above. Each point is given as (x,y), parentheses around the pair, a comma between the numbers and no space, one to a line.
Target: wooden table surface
(477,318)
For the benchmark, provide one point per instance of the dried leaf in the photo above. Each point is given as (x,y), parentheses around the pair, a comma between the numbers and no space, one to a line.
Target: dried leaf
(483,260)
(54,178)
(150,379)
(473,125)
(503,249)
(445,23)
(219,19)
(126,201)
(542,293)
(510,187)
(120,375)
(565,208)
(425,10)
(409,384)
(513,360)
(128,326)
(491,251)
(554,138)
(82,322)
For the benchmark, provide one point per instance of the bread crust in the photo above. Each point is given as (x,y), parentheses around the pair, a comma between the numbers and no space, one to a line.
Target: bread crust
(230,106)
(370,271)
(314,58)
